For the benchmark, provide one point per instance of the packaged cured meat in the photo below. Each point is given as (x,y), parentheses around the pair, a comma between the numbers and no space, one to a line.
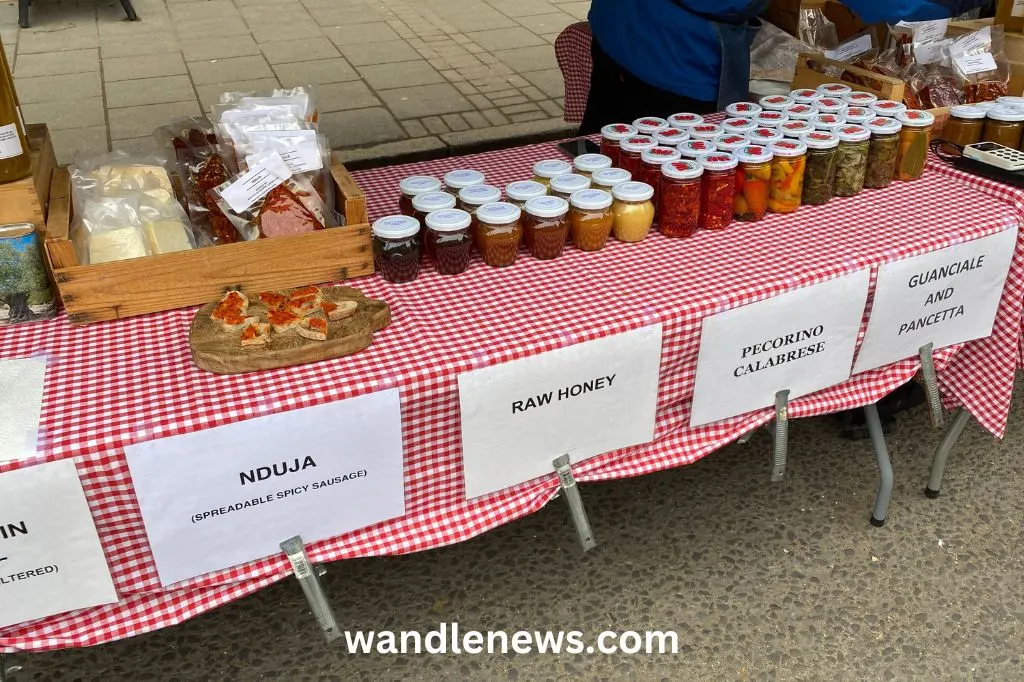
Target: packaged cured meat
(980,64)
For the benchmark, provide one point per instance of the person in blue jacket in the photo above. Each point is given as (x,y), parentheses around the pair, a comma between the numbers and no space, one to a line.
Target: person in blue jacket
(660,57)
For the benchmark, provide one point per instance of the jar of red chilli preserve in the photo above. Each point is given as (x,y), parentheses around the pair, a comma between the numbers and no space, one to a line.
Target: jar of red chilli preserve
(685,121)
(611,135)
(449,241)
(630,151)
(396,250)
(705,131)
(412,187)
(717,190)
(546,226)
(679,203)
(650,167)
(694,149)
(648,125)
(671,137)
(738,126)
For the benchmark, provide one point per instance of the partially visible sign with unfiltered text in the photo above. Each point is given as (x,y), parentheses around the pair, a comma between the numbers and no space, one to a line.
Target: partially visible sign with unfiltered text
(584,400)
(802,341)
(219,497)
(944,297)
(51,560)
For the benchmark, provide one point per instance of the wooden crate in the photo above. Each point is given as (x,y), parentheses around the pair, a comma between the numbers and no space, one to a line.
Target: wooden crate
(808,75)
(108,291)
(25,201)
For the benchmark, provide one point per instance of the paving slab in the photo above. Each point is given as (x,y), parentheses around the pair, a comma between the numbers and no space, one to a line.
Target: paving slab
(425,100)
(400,74)
(360,127)
(64,114)
(320,71)
(199,49)
(149,91)
(128,122)
(79,142)
(506,38)
(544,24)
(385,52)
(360,34)
(288,51)
(56,63)
(230,69)
(523,59)
(48,88)
(143,66)
(131,46)
(345,96)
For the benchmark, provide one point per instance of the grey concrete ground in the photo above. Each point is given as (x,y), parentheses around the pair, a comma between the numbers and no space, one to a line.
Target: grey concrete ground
(761,581)
(412,75)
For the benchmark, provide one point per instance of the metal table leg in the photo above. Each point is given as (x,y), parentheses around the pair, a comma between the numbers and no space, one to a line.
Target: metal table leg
(950,438)
(884,495)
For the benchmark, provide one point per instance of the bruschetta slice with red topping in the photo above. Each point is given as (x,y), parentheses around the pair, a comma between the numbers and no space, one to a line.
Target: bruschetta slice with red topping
(314,328)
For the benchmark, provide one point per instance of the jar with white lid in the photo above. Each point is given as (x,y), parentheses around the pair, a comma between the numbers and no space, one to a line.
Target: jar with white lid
(834,89)
(965,125)
(717,190)
(1010,100)
(590,219)
(671,137)
(787,184)
(730,142)
(648,125)
(694,149)
(521,191)
(801,112)
(414,186)
(543,171)
(685,120)
(609,177)
(750,202)
(776,102)
(740,126)
(851,160)
(650,166)
(765,136)
(915,141)
(858,115)
(546,226)
(630,151)
(500,232)
(705,131)
(586,164)
(770,119)
(883,151)
(396,249)
(611,135)
(831,105)
(679,205)
(859,99)
(632,211)
(1003,125)
(459,179)
(473,197)
(887,107)
(827,122)
(820,172)
(805,95)
(423,204)
(795,129)
(564,185)
(449,240)
(743,109)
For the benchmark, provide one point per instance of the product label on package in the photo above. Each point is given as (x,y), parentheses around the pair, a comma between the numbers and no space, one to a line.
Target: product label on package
(979,41)
(926,31)
(929,53)
(1018,8)
(298,148)
(10,143)
(851,48)
(976,63)
(254,184)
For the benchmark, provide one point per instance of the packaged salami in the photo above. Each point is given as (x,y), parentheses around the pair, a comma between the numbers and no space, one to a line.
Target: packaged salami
(308,158)
(980,65)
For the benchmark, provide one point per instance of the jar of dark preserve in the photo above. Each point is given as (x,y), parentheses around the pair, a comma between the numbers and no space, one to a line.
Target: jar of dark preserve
(521,191)
(611,135)
(396,249)
(459,179)
(449,240)
(428,203)
(546,226)
(631,150)
(412,187)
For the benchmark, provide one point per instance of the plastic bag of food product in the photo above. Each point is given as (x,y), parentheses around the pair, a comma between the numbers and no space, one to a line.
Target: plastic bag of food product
(300,101)
(817,30)
(125,207)
(773,54)
(202,165)
(980,65)
(308,158)
(267,200)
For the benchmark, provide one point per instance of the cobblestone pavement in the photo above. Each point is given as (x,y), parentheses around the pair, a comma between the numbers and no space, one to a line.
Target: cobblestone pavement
(412,75)
(760,581)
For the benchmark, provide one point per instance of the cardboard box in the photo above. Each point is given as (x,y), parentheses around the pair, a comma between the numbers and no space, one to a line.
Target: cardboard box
(1005,16)
(786,15)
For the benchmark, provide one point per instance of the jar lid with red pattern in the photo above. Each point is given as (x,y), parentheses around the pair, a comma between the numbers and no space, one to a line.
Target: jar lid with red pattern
(649,124)
(672,136)
(858,114)
(883,125)
(765,135)
(801,112)
(819,139)
(805,95)
(682,170)
(753,154)
(915,118)
(859,99)
(718,161)
(660,155)
(692,149)
(637,143)
(776,102)
(834,89)
(788,148)
(738,125)
(771,119)
(705,131)
(730,142)
(831,105)
(796,128)
(827,121)
(887,107)
(743,109)
(685,120)
(853,133)
(618,131)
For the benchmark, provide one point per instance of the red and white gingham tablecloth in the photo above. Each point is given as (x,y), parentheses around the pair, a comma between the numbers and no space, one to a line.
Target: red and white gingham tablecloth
(122,382)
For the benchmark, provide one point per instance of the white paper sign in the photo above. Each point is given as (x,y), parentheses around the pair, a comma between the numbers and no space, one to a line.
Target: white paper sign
(298,148)
(973,43)
(802,341)
(976,63)
(255,183)
(929,53)
(585,400)
(1018,8)
(51,560)
(851,48)
(224,496)
(944,297)
(926,31)
(21,401)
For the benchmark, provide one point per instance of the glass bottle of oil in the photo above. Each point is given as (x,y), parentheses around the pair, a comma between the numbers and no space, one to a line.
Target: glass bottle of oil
(15,162)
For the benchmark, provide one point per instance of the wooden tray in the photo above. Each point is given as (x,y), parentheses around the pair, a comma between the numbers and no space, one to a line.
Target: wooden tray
(220,352)
(25,201)
(807,76)
(108,291)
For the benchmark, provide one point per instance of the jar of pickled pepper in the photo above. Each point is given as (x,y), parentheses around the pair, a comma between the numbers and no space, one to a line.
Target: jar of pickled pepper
(630,151)
(820,174)
(648,125)
(633,211)
(500,232)
(796,129)
(705,131)
(396,250)
(851,160)
(586,164)
(679,204)
(965,125)
(543,171)
(449,240)
(694,149)
(831,105)
(770,119)
(685,121)
(738,126)
(611,135)
(459,179)
(650,166)
(671,137)
(827,122)
(521,191)
(834,89)
(743,109)
(801,112)
(887,107)
(859,99)
(805,96)
(914,143)
(776,102)
(787,183)
(608,178)
(590,219)
(717,190)
(750,201)
(424,204)
(859,115)
(546,226)
(882,152)
(565,185)
(765,136)
(414,186)
(1003,125)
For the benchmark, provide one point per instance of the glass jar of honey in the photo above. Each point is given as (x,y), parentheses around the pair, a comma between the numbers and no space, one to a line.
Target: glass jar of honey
(630,151)
(396,249)
(1003,125)
(611,135)
(413,186)
(632,211)
(590,219)
(459,179)
(564,185)
(609,177)
(546,226)
(522,191)
(965,125)
(543,171)
(449,240)
(499,233)
(586,164)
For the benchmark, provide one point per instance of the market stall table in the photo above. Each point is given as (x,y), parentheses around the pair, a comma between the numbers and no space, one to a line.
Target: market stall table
(113,384)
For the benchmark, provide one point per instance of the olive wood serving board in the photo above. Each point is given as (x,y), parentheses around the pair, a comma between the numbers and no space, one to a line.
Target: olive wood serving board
(221,352)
